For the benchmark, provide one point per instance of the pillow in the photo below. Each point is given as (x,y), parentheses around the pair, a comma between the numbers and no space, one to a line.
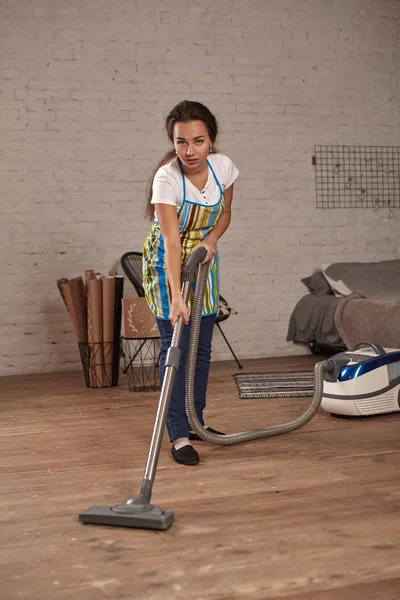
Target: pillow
(375,281)
(337,273)
(339,288)
(317,284)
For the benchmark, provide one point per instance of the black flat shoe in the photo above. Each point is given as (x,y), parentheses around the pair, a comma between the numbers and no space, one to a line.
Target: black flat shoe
(194,436)
(186,455)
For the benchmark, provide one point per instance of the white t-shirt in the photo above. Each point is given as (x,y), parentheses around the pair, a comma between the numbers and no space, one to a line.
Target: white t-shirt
(168,186)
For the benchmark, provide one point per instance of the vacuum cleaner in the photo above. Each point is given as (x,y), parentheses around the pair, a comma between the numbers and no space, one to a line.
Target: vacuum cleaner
(364,381)
(138,512)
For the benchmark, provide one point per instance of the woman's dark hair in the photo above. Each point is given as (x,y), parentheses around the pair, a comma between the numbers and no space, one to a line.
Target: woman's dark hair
(181,113)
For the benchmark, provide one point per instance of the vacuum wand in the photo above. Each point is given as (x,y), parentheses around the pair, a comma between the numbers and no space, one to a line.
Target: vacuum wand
(138,512)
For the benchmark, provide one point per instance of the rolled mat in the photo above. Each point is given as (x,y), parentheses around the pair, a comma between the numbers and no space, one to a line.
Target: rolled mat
(108,294)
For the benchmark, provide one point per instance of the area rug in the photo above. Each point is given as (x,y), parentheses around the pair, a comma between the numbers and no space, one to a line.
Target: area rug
(294,384)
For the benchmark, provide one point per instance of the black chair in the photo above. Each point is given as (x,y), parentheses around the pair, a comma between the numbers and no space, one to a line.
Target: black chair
(131,263)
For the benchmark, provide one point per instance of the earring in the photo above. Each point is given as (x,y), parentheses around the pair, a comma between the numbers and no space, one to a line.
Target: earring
(212,150)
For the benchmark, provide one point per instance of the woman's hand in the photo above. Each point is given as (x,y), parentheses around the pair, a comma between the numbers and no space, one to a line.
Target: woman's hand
(211,248)
(178,309)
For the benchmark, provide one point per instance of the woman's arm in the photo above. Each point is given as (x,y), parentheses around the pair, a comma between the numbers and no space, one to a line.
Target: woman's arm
(210,242)
(168,219)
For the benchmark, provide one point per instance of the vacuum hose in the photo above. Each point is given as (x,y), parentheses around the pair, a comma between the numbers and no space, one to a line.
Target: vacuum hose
(244,436)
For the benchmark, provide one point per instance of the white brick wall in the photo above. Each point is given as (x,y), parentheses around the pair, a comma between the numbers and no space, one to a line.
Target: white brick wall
(84,92)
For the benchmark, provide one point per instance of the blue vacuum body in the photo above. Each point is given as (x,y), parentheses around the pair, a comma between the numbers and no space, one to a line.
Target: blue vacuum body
(363,381)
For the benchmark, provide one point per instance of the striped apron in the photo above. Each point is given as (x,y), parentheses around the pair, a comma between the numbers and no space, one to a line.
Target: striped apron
(195,223)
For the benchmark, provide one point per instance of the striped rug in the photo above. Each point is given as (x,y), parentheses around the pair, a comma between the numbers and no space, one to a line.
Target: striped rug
(294,384)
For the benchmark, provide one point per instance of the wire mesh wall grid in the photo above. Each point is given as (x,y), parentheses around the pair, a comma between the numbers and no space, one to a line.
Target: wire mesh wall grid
(141,358)
(357,176)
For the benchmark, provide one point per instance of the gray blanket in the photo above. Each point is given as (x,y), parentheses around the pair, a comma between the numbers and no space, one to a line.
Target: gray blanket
(313,320)
(364,320)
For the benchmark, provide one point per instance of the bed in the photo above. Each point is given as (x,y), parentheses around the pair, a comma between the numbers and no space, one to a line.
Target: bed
(349,303)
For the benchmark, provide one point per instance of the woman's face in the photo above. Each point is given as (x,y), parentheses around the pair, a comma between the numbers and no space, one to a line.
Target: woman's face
(192,144)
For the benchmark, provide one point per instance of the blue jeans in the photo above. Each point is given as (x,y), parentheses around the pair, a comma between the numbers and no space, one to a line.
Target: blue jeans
(177,422)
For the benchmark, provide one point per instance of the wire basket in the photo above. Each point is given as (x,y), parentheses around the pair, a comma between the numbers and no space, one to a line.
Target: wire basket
(141,358)
(100,362)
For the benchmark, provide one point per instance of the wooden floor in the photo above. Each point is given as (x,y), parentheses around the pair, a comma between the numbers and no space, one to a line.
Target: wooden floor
(311,515)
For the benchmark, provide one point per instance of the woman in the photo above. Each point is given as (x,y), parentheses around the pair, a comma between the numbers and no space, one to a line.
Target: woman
(189,196)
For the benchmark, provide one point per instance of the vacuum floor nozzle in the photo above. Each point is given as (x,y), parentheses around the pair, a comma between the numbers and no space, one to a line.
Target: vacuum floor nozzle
(142,516)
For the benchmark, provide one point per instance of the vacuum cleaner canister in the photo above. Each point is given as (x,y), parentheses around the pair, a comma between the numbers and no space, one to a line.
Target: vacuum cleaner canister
(363,381)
